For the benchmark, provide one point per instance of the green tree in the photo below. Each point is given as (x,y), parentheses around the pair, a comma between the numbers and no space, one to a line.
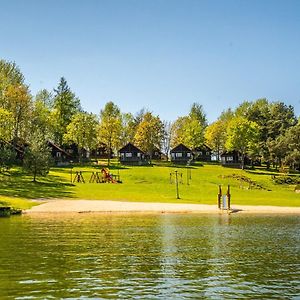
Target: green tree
(242,136)
(37,156)
(149,134)
(65,105)
(41,119)
(7,155)
(197,113)
(128,128)
(110,127)
(82,131)
(189,130)
(215,136)
(178,131)
(18,102)
(6,125)
(292,143)
(45,97)
(15,97)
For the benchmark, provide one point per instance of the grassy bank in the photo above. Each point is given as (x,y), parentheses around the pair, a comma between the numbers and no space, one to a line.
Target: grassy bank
(151,184)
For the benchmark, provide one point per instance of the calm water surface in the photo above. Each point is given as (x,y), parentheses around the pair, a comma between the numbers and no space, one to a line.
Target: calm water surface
(167,256)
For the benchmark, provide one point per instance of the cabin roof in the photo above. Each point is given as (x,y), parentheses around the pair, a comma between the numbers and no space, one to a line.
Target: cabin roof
(181,148)
(227,153)
(130,148)
(51,144)
(203,148)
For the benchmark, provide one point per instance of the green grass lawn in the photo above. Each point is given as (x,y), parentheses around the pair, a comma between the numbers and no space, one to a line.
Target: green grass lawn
(148,184)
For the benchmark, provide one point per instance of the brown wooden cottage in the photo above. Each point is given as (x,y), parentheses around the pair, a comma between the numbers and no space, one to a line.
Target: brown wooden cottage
(130,154)
(202,153)
(101,152)
(231,158)
(58,154)
(181,154)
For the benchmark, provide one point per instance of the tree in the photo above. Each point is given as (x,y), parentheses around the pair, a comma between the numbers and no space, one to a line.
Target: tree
(193,133)
(41,119)
(242,135)
(149,134)
(6,125)
(189,130)
(65,105)
(37,156)
(82,131)
(128,128)
(10,73)
(178,131)
(292,143)
(197,113)
(18,102)
(45,97)
(110,127)
(167,138)
(215,137)
(15,97)
(281,118)
(7,155)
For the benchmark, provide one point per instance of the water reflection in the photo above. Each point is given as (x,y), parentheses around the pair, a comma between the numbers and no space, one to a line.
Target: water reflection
(150,256)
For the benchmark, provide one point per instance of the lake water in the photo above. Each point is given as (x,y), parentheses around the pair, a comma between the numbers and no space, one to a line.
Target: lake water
(166,256)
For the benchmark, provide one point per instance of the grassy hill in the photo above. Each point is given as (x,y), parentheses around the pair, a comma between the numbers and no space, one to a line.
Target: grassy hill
(152,184)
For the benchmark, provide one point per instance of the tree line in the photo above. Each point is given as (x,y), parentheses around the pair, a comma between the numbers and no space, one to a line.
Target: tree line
(259,129)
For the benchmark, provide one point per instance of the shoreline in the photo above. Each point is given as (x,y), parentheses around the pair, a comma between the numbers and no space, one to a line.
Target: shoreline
(108,206)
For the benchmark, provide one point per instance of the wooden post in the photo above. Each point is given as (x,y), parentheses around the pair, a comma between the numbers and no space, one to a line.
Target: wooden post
(177,191)
(228,197)
(187,176)
(219,197)
(71,174)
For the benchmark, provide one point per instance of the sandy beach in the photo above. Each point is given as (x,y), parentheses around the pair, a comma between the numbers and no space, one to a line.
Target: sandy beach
(106,206)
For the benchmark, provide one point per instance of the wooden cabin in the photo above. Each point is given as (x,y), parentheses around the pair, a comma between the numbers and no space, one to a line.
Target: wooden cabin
(156,154)
(234,159)
(59,155)
(181,154)
(202,153)
(101,152)
(130,154)
(231,158)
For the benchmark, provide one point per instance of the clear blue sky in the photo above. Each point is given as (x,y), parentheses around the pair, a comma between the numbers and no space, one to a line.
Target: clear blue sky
(162,55)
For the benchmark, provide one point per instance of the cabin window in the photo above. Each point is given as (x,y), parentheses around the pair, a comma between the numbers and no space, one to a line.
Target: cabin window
(58,154)
(207,153)
(122,155)
(138,154)
(230,158)
(178,154)
(188,154)
(200,152)
(173,155)
(128,154)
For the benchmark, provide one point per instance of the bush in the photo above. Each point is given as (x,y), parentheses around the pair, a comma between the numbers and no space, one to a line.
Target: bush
(286,180)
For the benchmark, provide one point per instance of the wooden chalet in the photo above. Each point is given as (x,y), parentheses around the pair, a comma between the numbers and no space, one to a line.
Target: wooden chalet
(181,154)
(156,154)
(101,152)
(130,154)
(202,153)
(234,159)
(58,154)
(231,158)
